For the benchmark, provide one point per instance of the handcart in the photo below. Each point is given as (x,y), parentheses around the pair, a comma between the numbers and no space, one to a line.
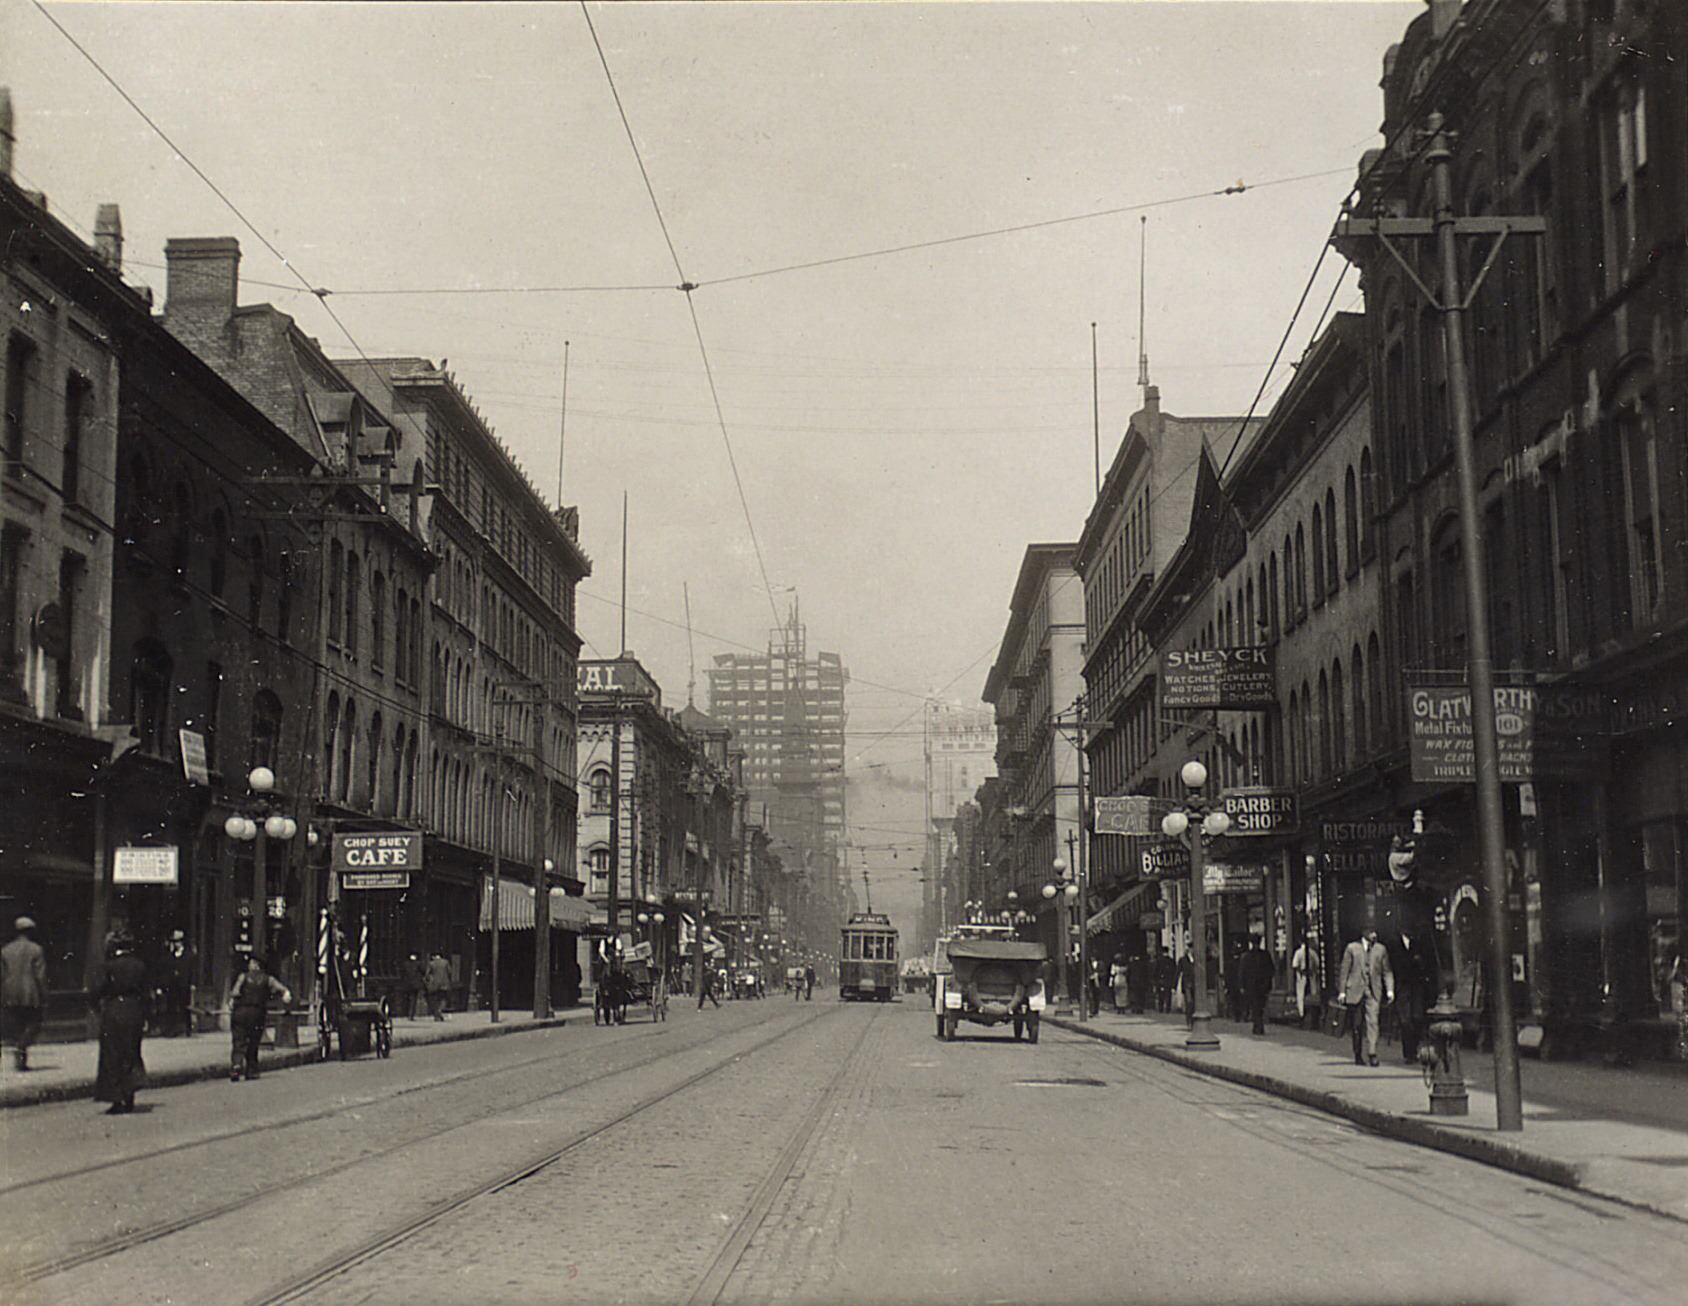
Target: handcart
(646,987)
(361,1024)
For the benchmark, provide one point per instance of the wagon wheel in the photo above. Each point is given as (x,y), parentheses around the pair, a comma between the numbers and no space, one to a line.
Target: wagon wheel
(384,1032)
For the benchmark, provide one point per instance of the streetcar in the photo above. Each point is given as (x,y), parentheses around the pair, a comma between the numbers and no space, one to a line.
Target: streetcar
(867,958)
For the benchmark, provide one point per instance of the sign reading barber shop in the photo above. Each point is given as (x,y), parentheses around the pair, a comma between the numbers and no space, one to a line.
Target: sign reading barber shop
(377,860)
(1258,810)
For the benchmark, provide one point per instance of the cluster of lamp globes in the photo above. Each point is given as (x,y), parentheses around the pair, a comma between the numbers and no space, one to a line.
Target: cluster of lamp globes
(275,826)
(649,917)
(1175,823)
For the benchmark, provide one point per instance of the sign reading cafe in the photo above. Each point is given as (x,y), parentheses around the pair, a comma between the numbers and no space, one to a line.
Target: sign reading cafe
(377,860)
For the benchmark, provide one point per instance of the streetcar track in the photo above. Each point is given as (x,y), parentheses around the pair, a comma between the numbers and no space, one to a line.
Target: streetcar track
(1505,1228)
(726,1261)
(327,1113)
(372,1247)
(164,1229)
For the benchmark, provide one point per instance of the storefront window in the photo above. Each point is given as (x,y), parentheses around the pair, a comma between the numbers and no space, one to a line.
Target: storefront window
(1662,844)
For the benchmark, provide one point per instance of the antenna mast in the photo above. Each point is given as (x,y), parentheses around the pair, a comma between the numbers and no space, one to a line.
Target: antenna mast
(691,655)
(1142,282)
(623,652)
(563,426)
(1095,412)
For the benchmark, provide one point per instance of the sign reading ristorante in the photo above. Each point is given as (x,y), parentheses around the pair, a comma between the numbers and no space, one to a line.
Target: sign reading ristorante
(1217,677)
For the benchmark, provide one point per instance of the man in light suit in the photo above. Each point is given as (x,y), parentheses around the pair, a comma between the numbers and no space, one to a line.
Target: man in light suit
(1366,984)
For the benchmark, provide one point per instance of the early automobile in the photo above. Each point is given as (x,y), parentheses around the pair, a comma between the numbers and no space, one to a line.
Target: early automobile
(990,981)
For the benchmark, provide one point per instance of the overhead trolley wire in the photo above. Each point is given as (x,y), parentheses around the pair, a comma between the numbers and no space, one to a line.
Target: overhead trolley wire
(697,327)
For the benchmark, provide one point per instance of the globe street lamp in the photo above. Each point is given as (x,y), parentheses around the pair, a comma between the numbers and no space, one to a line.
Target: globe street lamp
(266,823)
(1210,822)
(1068,891)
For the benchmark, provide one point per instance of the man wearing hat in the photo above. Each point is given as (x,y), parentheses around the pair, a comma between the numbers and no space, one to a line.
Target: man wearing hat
(23,988)
(178,983)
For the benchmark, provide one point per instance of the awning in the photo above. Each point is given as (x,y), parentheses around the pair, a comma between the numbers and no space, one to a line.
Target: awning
(1104,919)
(515,907)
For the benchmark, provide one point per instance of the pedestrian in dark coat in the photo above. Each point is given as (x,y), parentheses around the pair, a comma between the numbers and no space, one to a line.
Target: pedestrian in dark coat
(23,989)
(1139,976)
(1255,973)
(1166,979)
(414,976)
(1415,966)
(122,1002)
(249,1010)
(1187,982)
(178,983)
(436,982)
(808,983)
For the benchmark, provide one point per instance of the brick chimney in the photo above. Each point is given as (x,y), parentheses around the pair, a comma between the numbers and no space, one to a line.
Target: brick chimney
(202,280)
(108,236)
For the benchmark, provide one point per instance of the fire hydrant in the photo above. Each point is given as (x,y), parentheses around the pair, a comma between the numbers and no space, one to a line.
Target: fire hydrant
(1441,1061)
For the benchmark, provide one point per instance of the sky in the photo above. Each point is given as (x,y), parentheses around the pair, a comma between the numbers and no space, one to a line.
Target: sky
(902,425)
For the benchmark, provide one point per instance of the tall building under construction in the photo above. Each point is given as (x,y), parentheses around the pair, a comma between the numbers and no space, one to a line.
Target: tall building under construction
(786,711)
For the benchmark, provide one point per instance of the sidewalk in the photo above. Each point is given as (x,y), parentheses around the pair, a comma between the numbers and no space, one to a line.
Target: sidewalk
(1621,1134)
(61,1071)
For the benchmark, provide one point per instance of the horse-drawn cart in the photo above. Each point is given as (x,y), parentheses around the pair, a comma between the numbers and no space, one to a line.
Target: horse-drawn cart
(635,982)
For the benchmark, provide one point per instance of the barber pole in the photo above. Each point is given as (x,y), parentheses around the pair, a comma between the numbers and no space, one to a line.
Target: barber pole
(363,954)
(322,943)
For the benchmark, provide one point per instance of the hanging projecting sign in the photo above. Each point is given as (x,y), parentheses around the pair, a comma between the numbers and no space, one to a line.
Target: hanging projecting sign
(194,762)
(1228,877)
(1217,677)
(1541,731)
(1125,814)
(377,861)
(617,676)
(1257,810)
(143,866)
(1164,861)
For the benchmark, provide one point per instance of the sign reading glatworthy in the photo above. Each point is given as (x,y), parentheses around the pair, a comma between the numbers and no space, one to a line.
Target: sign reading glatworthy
(1126,814)
(385,851)
(143,866)
(1543,731)
(1261,811)
(1217,677)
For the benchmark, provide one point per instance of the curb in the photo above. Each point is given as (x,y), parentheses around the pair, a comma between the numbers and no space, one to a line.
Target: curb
(1490,1151)
(79,1089)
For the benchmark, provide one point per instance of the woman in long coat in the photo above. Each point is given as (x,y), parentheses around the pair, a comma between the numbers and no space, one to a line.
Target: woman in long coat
(122,1004)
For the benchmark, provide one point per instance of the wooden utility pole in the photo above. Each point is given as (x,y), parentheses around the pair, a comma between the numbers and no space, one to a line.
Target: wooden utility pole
(541,865)
(1453,303)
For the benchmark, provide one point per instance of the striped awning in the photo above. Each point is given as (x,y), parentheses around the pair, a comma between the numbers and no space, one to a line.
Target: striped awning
(1104,919)
(515,907)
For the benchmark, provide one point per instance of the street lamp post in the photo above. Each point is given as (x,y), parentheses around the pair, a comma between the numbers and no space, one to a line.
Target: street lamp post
(1062,892)
(1209,822)
(269,823)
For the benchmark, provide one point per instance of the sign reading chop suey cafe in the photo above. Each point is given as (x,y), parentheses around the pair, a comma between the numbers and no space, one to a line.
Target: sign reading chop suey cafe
(377,860)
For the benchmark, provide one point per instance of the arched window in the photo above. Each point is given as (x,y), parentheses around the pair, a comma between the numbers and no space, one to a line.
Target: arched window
(354,581)
(401,636)
(219,553)
(1351,520)
(330,733)
(415,638)
(348,752)
(408,807)
(1300,573)
(378,619)
(1448,619)
(181,531)
(1357,678)
(1324,725)
(1318,555)
(1338,719)
(600,786)
(1374,688)
(376,739)
(598,870)
(1333,567)
(336,588)
(398,804)
(151,676)
(266,730)
(255,583)
(284,598)
(1270,587)
(1368,504)
(1292,735)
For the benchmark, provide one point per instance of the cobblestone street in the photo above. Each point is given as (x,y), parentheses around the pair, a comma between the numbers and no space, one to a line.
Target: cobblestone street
(769,1151)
